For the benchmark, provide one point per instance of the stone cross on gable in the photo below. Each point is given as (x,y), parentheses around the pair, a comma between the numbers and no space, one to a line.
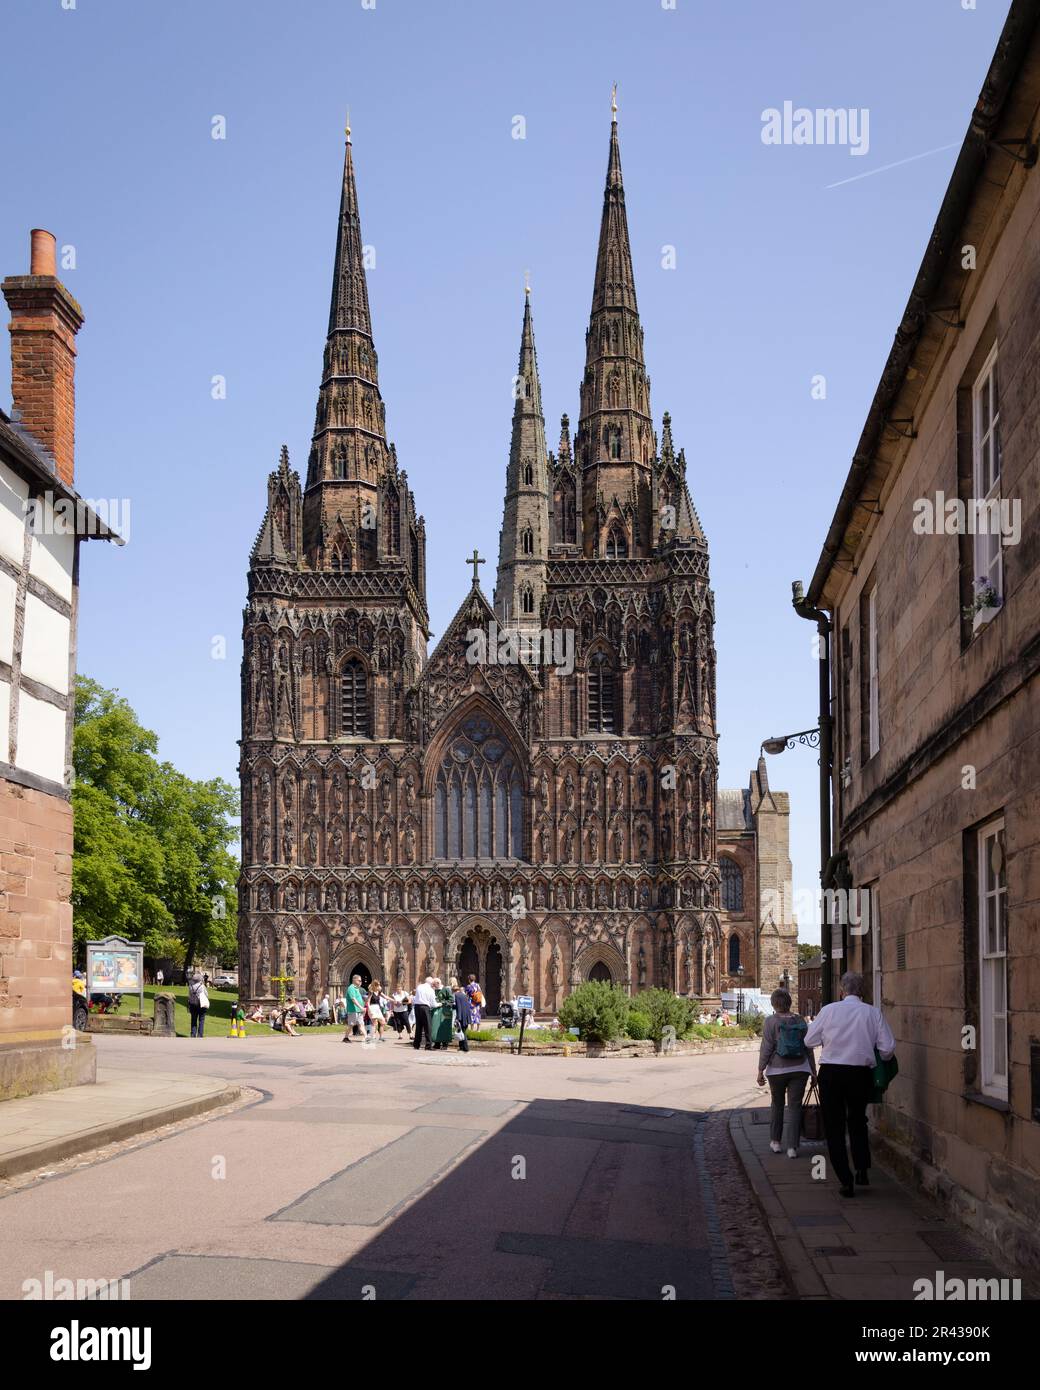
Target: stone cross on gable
(475,560)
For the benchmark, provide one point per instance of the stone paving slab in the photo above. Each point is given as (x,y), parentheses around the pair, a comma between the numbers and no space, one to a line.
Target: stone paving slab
(209,1278)
(39,1130)
(368,1192)
(873,1246)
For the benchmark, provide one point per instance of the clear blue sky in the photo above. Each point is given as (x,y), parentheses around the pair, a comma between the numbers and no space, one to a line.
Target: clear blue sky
(197,257)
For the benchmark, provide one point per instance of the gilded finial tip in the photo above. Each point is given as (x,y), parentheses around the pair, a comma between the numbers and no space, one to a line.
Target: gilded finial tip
(346,128)
(613,103)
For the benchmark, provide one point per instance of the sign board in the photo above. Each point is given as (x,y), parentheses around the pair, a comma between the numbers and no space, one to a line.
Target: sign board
(525,1003)
(116,966)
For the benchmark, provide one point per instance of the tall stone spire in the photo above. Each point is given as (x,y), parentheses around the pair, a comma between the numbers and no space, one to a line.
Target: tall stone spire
(523,545)
(615,443)
(349,453)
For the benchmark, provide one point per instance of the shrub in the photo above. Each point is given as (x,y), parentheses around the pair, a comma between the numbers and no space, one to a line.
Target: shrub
(638,1026)
(752,1021)
(599,1010)
(667,1010)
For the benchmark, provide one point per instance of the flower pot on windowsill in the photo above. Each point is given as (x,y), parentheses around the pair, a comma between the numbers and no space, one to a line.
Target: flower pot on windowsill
(984,616)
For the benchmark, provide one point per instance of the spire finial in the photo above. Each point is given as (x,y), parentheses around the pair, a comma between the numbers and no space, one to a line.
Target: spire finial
(527,283)
(613,104)
(346,128)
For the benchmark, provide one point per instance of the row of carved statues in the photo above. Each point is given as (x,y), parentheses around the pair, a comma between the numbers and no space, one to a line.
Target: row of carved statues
(332,895)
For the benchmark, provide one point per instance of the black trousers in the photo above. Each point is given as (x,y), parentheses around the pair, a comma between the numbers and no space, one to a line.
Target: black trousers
(844,1096)
(423,1026)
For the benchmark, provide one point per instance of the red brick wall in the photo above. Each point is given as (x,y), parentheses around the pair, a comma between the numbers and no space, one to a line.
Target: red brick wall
(44,322)
(35,911)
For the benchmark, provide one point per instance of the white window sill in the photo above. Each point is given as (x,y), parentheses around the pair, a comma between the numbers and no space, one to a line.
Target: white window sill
(982,617)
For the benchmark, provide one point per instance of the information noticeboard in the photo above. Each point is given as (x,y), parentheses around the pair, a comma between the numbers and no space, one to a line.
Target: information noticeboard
(116,966)
(525,1004)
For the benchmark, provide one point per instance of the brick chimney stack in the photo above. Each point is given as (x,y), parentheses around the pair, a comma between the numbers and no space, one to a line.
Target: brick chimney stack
(44,322)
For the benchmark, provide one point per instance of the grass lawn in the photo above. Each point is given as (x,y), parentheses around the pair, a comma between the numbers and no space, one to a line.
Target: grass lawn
(218,1019)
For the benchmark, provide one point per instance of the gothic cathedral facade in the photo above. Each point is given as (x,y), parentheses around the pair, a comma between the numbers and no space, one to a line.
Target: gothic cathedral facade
(535,821)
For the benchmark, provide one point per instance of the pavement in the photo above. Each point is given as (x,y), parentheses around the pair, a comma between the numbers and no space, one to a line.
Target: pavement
(39,1130)
(875,1245)
(361,1172)
(333,1172)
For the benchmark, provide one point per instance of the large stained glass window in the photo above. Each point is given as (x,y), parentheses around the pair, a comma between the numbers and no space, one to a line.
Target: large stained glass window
(478,798)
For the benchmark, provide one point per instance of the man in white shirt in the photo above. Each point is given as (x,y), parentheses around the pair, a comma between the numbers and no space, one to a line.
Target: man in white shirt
(424,1001)
(848,1032)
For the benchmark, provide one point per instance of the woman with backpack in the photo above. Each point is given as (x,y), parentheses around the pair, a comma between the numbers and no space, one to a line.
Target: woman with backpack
(476,999)
(786,1062)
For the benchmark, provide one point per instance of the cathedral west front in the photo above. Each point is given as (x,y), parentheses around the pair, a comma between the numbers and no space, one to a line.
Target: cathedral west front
(536,800)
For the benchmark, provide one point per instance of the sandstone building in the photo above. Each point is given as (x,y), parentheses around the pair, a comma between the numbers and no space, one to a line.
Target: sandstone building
(934,607)
(536,801)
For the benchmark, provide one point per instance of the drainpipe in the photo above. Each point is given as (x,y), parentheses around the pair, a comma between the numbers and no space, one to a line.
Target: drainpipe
(823,626)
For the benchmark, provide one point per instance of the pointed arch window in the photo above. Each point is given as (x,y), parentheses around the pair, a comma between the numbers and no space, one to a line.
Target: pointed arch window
(528,475)
(617,544)
(732,886)
(527,541)
(353,696)
(734,954)
(478,797)
(601,694)
(526,599)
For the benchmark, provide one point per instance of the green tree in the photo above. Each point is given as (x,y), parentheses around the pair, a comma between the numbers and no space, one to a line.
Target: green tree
(152,858)
(664,1009)
(806,951)
(598,1010)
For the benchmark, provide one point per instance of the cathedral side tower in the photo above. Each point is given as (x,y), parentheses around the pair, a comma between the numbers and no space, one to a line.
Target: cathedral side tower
(523,546)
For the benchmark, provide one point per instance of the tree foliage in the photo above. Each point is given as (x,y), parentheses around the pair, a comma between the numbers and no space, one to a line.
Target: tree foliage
(152,859)
(598,1010)
(663,1009)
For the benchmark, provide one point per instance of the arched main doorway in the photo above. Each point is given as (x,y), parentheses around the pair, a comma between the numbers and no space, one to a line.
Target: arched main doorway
(481,955)
(341,978)
(601,972)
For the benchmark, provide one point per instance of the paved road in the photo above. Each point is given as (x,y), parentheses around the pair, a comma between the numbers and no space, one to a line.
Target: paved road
(380,1172)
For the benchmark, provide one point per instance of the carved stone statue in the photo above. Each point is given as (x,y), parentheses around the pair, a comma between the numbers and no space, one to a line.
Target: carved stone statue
(263,981)
(525,966)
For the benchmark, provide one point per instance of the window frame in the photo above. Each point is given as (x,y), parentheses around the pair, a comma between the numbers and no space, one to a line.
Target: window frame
(992,964)
(873,684)
(986,456)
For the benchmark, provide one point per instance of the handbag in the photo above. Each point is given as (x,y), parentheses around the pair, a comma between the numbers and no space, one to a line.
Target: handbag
(884,1072)
(812,1113)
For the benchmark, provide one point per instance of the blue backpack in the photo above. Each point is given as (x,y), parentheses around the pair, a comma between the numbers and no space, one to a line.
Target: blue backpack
(791,1038)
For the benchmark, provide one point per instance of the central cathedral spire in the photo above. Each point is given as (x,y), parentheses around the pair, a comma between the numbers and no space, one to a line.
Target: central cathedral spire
(615,444)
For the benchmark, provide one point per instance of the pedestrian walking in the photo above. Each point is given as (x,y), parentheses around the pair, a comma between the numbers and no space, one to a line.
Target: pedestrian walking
(400,1005)
(853,1035)
(443,1020)
(476,998)
(198,1004)
(355,1009)
(159,977)
(424,1001)
(786,1063)
(463,1015)
(378,1008)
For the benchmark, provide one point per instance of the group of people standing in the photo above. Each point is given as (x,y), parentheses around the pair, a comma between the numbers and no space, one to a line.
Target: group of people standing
(439,1013)
(855,1039)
